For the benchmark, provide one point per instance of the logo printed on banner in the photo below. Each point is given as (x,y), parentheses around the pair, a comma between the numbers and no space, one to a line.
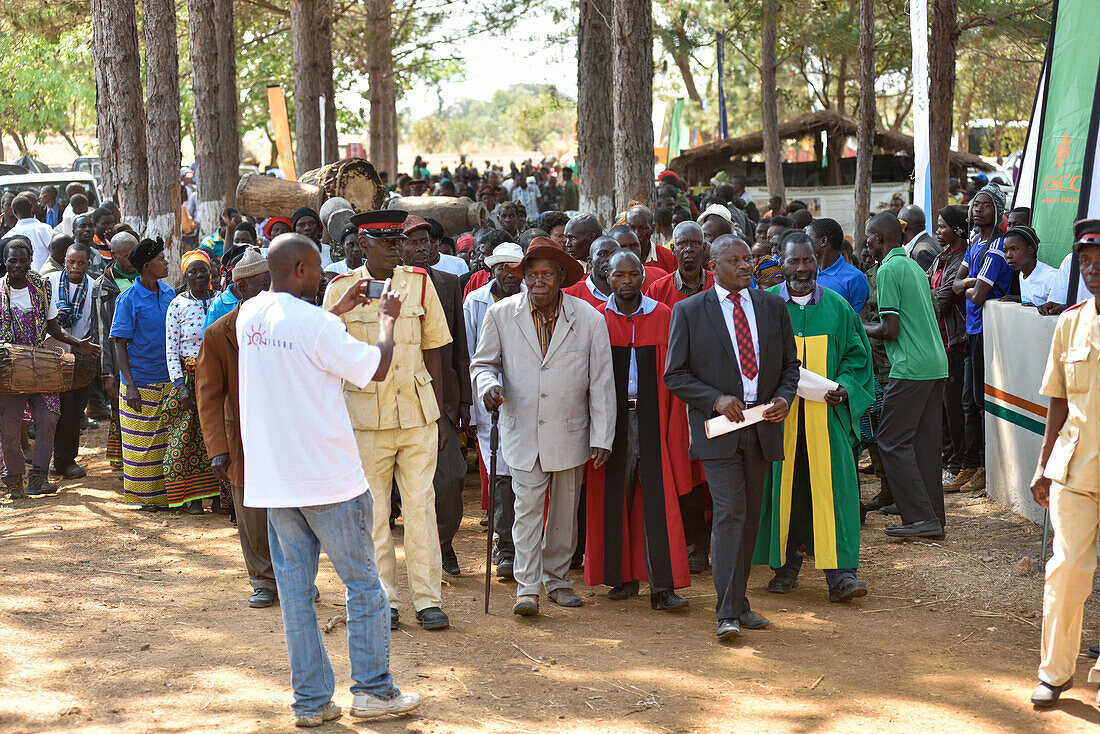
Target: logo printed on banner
(1063,150)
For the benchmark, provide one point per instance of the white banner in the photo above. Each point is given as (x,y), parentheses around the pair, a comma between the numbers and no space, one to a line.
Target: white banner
(922,173)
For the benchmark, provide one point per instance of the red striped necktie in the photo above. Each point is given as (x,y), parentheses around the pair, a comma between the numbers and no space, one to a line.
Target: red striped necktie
(745,349)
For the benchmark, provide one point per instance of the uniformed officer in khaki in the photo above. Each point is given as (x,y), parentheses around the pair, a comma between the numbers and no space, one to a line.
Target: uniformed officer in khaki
(395,420)
(1067,479)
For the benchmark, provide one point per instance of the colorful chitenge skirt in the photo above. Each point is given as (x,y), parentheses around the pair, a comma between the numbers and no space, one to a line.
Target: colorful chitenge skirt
(187,474)
(114,439)
(143,435)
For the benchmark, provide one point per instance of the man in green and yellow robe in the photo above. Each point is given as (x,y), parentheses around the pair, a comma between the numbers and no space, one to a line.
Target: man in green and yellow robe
(811,499)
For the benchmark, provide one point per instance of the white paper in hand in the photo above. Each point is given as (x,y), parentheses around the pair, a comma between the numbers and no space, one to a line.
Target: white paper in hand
(721,425)
(812,386)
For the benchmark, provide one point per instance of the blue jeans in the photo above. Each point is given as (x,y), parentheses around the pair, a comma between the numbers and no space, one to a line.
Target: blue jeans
(343,530)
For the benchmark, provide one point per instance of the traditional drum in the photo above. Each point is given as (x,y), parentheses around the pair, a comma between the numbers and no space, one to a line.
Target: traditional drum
(353,179)
(458,215)
(263,196)
(28,370)
(85,369)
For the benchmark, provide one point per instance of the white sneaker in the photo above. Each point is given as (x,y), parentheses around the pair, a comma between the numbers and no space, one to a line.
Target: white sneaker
(367,706)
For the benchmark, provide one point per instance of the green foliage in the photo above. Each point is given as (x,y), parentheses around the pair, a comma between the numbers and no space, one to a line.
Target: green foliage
(46,81)
(528,116)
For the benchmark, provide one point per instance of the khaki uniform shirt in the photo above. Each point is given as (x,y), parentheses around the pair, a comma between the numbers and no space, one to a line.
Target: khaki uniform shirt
(405,399)
(1073,373)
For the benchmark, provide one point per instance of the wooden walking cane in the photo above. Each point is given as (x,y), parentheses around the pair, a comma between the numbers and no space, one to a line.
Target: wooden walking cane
(494,441)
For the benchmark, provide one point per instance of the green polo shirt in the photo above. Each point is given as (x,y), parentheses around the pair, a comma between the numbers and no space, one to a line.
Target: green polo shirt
(917,353)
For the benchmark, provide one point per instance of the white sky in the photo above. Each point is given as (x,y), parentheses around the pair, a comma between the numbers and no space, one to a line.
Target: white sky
(494,63)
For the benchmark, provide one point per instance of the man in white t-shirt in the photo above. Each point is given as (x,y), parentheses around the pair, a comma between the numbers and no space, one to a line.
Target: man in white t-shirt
(302,464)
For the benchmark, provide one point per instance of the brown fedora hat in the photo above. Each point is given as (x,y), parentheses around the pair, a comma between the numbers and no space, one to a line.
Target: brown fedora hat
(544,248)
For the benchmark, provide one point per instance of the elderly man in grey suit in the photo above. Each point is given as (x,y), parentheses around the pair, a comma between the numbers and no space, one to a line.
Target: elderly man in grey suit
(544,358)
(730,348)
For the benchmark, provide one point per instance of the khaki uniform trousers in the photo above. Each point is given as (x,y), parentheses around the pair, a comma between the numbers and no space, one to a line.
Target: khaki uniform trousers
(1075,517)
(409,454)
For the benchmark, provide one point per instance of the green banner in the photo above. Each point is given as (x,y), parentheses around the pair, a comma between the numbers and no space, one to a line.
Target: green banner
(1067,111)
(674,129)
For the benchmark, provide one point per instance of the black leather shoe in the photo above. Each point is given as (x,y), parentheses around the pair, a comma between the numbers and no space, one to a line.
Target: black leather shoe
(847,589)
(72,471)
(395,622)
(880,500)
(433,618)
(782,583)
(924,529)
(697,561)
(889,510)
(627,590)
(1093,651)
(450,563)
(728,628)
(484,520)
(506,569)
(1046,695)
(750,620)
(262,598)
(667,601)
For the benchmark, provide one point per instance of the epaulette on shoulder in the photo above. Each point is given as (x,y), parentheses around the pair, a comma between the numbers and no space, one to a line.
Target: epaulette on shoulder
(338,277)
(419,271)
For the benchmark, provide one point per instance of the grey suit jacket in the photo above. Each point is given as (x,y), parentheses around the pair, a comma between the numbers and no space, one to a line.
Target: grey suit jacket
(701,367)
(558,407)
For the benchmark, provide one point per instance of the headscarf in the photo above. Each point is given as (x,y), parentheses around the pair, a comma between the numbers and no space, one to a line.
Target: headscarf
(766,268)
(192,256)
(956,215)
(273,220)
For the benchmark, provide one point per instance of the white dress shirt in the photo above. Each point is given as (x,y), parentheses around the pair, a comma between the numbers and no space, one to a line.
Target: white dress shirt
(749,387)
(39,235)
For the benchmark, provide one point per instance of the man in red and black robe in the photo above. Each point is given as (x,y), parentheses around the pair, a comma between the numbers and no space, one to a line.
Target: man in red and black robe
(690,277)
(634,529)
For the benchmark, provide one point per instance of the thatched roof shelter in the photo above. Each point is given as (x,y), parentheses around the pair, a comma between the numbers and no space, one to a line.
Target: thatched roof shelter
(699,164)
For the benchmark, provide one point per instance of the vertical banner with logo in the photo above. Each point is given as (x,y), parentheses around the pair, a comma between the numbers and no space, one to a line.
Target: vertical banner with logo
(675,134)
(922,166)
(280,128)
(1065,154)
(720,53)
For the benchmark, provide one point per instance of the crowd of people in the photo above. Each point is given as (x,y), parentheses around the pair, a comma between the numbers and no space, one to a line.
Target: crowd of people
(690,386)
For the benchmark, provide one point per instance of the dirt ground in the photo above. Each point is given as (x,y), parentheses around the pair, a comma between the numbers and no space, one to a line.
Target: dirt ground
(113,620)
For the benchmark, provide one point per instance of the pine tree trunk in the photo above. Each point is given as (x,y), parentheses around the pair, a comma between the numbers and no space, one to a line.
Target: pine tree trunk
(162,127)
(120,110)
(308,85)
(207,127)
(229,140)
(383,91)
(866,124)
(633,102)
(331,148)
(941,93)
(595,138)
(769,102)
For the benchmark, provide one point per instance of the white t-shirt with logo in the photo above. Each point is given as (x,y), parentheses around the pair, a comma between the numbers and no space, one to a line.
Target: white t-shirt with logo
(299,446)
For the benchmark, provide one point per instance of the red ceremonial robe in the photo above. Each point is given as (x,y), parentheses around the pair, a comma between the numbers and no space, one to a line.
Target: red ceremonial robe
(615,552)
(476,280)
(581,290)
(665,291)
(666,261)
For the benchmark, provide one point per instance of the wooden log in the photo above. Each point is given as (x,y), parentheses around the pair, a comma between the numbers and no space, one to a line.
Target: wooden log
(263,196)
(457,215)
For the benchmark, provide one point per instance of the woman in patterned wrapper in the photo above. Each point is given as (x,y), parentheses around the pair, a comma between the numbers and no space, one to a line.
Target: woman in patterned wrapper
(187,475)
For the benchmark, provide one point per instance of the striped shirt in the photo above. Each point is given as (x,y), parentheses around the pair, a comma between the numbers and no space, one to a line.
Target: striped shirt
(544,325)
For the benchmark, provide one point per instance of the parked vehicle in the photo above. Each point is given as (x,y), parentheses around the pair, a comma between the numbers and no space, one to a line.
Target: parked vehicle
(35,181)
(89,164)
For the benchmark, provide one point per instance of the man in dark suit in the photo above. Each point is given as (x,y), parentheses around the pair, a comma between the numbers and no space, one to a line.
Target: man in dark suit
(450,469)
(731,347)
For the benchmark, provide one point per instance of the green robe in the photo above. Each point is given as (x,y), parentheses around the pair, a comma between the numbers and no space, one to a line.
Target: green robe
(820,497)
